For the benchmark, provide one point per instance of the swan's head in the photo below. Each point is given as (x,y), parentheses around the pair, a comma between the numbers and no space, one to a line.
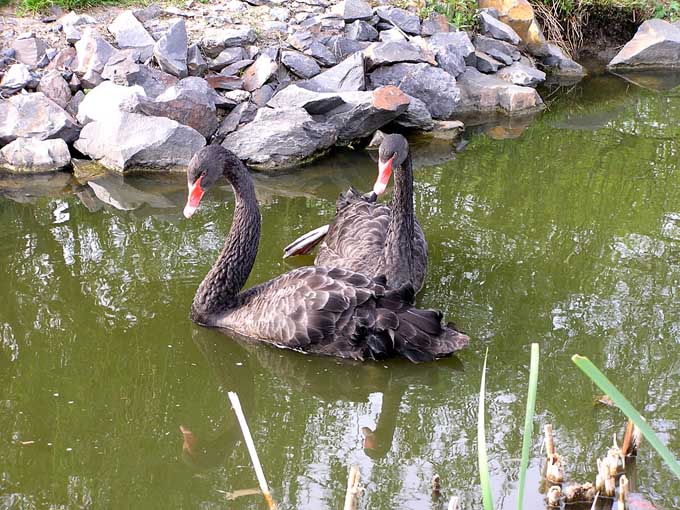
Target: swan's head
(204,170)
(392,154)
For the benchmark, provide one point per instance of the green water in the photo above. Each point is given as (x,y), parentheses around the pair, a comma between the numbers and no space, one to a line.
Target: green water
(567,235)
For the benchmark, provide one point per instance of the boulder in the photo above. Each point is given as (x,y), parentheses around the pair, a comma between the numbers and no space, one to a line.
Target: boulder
(484,93)
(432,85)
(391,35)
(130,33)
(452,51)
(235,69)
(361,31)
(519,15)
(300,64)
(260,96)
(280,138)
(231,121)
(346,76)
(259,73)
(434,23)
(416,116)
(196,64)
(214,40)
(92,54)
(71,33)
(385,53)
(128,140)
(497,29)
(54,86)
(501,51)
(220,82)
(656,44)
(74,103)
(64,60)
(304,41)
(16,78)
(32,155)
(29,50)
(37,116)
(123,71)
(561,65)
(486,63)
(352,10)
(407,21)
(227,57)
(521,74)
(76,20)
(342,47)
(315,103)
(108,99)
(171,50)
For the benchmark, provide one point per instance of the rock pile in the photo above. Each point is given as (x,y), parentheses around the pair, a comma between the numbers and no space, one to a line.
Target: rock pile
(277,87)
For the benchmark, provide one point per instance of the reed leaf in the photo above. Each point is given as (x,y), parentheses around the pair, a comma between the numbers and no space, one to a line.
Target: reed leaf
(484,478)
(605,385)
(528,423)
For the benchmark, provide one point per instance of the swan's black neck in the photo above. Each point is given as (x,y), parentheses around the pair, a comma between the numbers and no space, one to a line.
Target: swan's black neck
(217,293)
(399,242)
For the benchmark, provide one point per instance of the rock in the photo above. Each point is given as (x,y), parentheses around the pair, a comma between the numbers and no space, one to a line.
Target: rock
(64,60)
(76,20)
(416,116)
(361,31)
(108,99)
(129,140)
(260,96)
(171,50)
(523,75)
(123,71)
(191,102)
(391,35)
(497,29)
(54,86)
(215,40)
(302,65)
(346,76)
(16,78)
(29,51)
(432,85)
(561,65)
(499,50)
(31,155)
(71,33)
(519,15)
(656,44)
(74,103)
(484,93)
(452,51)
(280,138)
(227,57)
(272,27)
(37,116)
(304,41)
(352,10)
(279,13)
(92,53)
(434,23)
(74,84)
(130,33)
(315,103)
(220,82)
(259,73)
(236,96)
(236,68)
(148,13)
(341,47)
(231,121)
(408,22)
(378,54)
(486,63)
(196,64)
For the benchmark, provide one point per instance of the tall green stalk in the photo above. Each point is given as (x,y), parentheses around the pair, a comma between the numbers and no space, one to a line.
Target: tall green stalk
(528,424)
(484,478)
(605,385)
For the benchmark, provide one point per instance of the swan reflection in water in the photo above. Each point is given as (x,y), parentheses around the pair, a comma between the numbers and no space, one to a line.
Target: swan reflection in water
(285,376)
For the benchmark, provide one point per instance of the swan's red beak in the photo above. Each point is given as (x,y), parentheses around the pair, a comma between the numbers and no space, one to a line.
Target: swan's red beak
(384,173)
(195,195)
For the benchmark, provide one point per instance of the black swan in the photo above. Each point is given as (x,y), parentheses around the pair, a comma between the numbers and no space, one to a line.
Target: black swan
(331,311)
(371,238)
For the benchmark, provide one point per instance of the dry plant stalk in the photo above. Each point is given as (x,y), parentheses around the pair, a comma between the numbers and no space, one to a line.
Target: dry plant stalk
(454,503)
(554,470)
(626,448)
(353,489)
(554,496)
(579,493)
(623,492)
(436,486)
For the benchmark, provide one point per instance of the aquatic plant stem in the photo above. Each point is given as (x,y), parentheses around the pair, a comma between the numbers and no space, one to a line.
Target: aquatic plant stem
(528,423)
(605,385)
(484,477)
(236,404)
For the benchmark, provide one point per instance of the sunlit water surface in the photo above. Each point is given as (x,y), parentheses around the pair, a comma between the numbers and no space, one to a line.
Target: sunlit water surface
(566,234)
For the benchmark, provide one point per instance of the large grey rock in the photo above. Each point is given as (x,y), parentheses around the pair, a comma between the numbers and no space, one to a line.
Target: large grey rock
(74,103)
(128,140)
(432,85)
(35,115)
(352,10)
(361,31)
(92,54)
(16,78)
(214,40)
(108,99)
(300,64)
(392,35)
(77,20)
(497,29)
(416,116)
(486,63)
(71,33)
(315,103)
(231,121)
(196,64)
(484,93)
(407,21)
(235,69)
(523,75)
(656,44)
(54,86)
(123,71)
(171,50)
(32,155)
(280,138)
(434,23)
(385,53)
(259,73)
(561,65)
(452,50)
(342,47)
(499,50)
(227,57)
(304,41)
(347,75)
(130,33)
(29,50)
(64,60)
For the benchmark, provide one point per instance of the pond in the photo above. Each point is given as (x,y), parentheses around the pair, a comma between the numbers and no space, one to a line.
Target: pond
(566,233)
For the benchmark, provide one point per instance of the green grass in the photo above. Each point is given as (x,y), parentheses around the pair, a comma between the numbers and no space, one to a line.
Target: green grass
(528,424)
(462,13)
(483,461)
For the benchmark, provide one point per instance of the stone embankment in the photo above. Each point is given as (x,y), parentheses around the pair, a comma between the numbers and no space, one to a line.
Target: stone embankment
(277,83)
